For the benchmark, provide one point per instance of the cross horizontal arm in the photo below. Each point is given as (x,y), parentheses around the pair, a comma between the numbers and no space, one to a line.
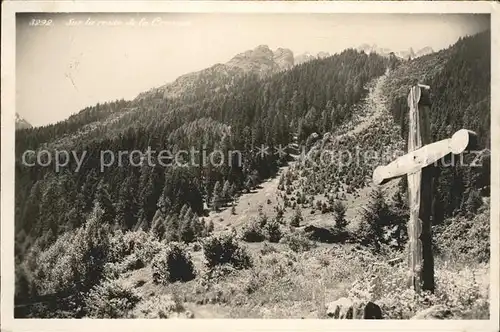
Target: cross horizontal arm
(425,156)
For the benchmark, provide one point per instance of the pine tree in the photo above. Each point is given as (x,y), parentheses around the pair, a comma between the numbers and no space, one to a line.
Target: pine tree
(216,197)
(158,225)
(49,211)
(197,226)
(225,195)
(172,228)
(95,246)
(248,185)
(339,211)
(400,216)
(186,231)
(374,215)
(103,198)
(31,213)
(126,207)
(77,214)
(210,227)
(297,217)
(473,203)
(183,212)
(232,191)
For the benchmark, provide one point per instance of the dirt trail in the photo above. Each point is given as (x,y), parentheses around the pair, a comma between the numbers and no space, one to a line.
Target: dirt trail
(375,104)
(266,196)
(247,205)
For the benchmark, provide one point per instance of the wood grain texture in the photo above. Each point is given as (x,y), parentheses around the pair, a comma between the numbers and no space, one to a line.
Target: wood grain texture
(420,258)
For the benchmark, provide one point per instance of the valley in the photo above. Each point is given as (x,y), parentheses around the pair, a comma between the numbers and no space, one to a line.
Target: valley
(274,236)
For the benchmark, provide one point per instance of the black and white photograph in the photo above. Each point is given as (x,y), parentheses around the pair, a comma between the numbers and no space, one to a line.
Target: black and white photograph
(250,165)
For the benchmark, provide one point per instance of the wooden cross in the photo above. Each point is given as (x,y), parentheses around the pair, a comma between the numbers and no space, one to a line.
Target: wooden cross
(416,165)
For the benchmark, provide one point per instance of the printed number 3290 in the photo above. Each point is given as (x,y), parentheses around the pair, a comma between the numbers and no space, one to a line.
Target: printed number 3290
(35,22)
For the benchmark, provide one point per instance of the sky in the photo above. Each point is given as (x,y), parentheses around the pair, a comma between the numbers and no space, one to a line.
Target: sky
(80,60)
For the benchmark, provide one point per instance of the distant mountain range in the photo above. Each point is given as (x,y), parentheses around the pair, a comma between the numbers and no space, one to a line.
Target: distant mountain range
(21,123)
(261,61)
(404,54)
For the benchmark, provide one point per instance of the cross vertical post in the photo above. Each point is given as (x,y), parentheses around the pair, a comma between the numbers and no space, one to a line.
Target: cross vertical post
(420,183)
(417,166)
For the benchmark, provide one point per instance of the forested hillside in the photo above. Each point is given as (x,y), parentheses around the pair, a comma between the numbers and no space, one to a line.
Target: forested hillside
(459,78)
(80,234)
(253,112)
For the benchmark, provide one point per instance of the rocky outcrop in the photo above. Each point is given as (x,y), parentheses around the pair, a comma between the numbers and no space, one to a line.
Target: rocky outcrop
(424,51)
(305,57)
(283,58)
(259,60)
(322,55)
(263,60)
(21,123)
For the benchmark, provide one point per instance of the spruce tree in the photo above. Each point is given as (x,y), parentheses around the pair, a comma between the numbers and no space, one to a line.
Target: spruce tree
(103,198)
(216,197)
(297,217)
(374,215)
(339,211)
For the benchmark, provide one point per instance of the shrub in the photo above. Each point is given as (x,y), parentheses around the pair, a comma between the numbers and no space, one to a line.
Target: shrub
(161,306)
(280,211)
(131,262)
(298,242)
(117,247)
(273,230)
(216,274)
(224,249)
(134,241)
(457,288)
(196,246)
(267,249)
(173,264)
(253,232)
(75,262)
(209,228)
(110,299)
(465,239)
(149,250)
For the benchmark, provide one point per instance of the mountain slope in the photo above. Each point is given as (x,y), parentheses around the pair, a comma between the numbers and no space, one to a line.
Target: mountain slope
(459,78)
(260,61)
(111,230)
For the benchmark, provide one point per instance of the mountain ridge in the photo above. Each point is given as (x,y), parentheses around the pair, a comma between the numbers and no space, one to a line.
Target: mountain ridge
(402,54)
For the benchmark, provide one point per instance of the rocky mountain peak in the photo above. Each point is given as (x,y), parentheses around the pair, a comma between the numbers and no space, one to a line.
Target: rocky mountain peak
(283,57)
(22,123)
(263,60)
(322,55)
(304,57)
